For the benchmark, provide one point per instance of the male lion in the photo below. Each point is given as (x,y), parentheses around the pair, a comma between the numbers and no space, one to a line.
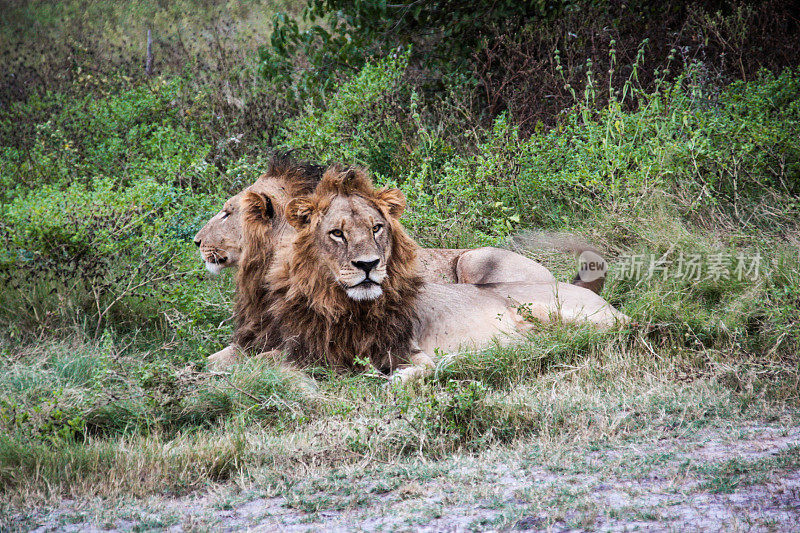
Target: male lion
(222,245)
(348,288)
(220,239)
(220,242)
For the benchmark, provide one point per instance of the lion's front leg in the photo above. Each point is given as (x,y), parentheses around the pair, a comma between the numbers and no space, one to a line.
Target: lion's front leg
(225,357)
(421,365)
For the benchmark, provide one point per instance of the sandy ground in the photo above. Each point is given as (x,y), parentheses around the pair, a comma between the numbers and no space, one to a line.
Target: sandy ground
(666,486)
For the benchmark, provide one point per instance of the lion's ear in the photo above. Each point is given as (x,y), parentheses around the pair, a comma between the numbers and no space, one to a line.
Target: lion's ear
(257,207)
(350,176)
(350,181)
(394,199)
(299,211)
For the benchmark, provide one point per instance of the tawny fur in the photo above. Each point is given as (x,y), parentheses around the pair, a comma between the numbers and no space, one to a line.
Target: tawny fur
(319,323)
(311,310)
(254,328)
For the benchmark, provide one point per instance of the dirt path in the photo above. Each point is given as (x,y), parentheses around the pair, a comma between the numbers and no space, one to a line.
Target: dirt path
(739,479)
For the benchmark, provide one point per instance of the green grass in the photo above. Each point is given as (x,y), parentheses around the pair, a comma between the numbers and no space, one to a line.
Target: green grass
(175,429)
(731,475)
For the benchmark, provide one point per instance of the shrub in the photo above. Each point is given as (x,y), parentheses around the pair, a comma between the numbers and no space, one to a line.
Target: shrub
(342,36)
(721,153)
(358,123)
(101,251)
(742,144)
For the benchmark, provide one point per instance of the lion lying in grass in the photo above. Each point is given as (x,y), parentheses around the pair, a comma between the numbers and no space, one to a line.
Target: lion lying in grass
(220,240)
(222,245)
(348,288)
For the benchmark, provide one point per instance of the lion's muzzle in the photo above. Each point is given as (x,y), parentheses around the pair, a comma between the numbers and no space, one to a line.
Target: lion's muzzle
(363,282)
(215,267)
(214,259)
(365,291)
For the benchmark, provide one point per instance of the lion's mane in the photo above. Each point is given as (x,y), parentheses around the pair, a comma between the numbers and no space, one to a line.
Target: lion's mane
(318,322)
(255,331)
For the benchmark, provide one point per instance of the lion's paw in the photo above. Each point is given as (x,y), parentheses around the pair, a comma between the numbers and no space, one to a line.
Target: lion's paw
(404,376)
(223,358)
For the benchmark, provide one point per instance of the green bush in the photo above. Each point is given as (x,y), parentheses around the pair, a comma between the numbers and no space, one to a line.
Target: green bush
(155,131)
(102,203)
(742,145)
(358,123)
(342,36)
(722,154)
(101,251)
(100,200)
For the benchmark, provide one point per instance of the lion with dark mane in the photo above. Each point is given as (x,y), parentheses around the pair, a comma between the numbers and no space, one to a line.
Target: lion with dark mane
(222,244)
(336,321)
(348,288)
(267,198)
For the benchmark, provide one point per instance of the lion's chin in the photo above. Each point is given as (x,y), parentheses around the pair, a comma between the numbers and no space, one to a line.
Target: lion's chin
(214,268)
(365,292)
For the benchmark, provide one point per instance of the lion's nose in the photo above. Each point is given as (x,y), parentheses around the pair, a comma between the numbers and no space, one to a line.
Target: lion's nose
(198,242)
(366,266)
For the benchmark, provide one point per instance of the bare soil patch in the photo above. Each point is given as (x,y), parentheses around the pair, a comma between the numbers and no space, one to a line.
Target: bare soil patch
(720,480)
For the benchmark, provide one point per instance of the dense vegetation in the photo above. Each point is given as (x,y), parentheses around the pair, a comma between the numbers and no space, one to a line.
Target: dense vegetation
(655,140)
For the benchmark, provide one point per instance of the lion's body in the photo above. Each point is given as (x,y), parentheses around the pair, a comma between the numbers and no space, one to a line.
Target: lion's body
(349,287)
(222,244)
(454,317)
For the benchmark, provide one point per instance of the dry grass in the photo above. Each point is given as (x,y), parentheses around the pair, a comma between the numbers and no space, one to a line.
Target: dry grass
(599,390)
(364,438)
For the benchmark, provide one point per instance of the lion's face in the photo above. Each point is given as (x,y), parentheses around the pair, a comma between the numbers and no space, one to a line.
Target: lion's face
(354,242)
(345,287)
(352,237)
(219,240)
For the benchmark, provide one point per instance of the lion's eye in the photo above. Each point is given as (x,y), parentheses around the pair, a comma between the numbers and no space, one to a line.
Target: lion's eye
(376,228)
(225,215)
(337,233)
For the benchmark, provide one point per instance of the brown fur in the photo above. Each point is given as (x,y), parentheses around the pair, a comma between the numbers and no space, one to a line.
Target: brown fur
(319,323)
(263,216)
(323,313)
